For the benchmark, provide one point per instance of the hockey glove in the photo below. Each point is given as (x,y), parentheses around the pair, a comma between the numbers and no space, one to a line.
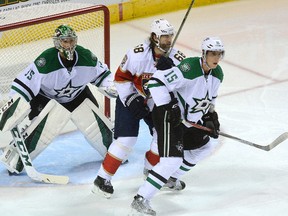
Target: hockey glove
(173,112)
(210,120)
(136,105)
(164,63)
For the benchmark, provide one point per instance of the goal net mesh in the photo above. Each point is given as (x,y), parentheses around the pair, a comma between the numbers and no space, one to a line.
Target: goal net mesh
(26,33)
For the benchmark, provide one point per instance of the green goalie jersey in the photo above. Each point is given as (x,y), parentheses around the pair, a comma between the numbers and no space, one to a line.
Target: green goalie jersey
(195,90)
(48,76)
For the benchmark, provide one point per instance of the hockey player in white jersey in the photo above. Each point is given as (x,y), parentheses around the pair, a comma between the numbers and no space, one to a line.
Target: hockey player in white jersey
(182,94)
(56,86)
(134,102)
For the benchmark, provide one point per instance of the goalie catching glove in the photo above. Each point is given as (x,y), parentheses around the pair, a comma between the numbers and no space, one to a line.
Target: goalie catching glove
(173,112)
(136,105)
(210,120)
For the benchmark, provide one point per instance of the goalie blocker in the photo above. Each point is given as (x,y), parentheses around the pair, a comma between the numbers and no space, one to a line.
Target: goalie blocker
(96,128)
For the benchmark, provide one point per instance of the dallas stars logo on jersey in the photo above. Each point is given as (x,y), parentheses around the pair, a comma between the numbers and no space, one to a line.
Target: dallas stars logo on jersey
(201,105)
(67,91)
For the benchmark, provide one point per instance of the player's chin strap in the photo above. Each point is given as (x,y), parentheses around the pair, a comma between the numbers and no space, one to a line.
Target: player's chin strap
(94,125)
(157,43)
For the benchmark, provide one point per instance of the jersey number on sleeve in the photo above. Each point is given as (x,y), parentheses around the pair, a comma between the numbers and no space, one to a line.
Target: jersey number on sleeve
(179,56)
(170,77)
(29,74)
(139,48)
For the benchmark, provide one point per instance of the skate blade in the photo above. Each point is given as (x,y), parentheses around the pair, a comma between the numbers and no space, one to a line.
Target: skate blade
(97,191)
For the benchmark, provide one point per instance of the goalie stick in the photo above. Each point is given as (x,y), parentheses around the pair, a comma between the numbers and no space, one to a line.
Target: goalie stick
(268,147)
(27,162)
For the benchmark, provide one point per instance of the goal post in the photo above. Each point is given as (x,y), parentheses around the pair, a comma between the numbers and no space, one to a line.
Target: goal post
(23,40)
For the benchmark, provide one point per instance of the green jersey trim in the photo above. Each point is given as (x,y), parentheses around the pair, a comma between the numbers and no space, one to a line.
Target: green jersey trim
(21,93)
(106,74)
(48,61)
(192,64)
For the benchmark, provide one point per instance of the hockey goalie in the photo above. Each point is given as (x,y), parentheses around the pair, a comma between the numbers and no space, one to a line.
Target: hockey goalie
(53,90)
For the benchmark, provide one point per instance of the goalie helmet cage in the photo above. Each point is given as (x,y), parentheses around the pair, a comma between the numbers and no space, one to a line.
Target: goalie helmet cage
(21,42)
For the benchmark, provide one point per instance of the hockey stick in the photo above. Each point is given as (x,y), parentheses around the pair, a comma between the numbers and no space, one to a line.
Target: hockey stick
(180,28)
(27,162)
(268,147)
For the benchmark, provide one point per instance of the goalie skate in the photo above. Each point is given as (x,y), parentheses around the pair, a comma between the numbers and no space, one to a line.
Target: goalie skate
(174,184)
(103,186)
(142,205)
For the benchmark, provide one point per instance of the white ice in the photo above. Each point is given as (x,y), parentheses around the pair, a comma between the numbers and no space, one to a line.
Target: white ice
(236,180)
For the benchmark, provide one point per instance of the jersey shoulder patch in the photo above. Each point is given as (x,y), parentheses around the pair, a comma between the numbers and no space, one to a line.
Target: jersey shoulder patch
(190,68)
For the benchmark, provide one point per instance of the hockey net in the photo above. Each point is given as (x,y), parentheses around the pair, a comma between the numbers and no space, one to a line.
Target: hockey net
(27,32)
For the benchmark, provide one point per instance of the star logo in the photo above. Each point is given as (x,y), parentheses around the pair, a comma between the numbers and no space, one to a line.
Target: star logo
(201,104)
(67,91)
(180,146)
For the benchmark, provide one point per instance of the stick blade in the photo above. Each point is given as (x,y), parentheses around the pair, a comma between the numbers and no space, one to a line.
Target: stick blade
(53,179)
(277,141)
(46,178)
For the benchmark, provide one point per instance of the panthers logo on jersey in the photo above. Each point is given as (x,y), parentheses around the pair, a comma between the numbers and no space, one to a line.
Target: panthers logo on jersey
(145,78)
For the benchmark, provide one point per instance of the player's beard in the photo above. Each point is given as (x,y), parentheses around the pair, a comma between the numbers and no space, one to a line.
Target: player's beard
(165,47)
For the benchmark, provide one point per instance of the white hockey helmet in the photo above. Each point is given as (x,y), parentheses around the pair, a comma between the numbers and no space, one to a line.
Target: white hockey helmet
(63,32)
(212,44)
(162,27)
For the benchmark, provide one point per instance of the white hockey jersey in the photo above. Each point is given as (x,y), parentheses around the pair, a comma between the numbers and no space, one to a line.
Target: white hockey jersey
(195,90)
(135,70)
(48,76)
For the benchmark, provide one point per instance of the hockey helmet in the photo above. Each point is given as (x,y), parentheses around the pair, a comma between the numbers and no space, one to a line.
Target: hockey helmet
(161,27)
(62,33)
(212,44)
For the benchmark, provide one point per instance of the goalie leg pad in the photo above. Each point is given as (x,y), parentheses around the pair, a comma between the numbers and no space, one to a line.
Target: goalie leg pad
(11,159)
(94,125)
(38,135)
(13,112)
(45,127)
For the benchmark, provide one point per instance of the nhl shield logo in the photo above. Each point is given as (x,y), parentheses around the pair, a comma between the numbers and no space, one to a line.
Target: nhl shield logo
(41,62)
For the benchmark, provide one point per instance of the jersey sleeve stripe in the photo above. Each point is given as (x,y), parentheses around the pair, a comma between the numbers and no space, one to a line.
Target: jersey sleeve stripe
(102,77)
(20,83)
(154,82)
(21,93)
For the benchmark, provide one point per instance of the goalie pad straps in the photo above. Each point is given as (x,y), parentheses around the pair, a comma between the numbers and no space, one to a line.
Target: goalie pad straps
(13,112)
(94,125)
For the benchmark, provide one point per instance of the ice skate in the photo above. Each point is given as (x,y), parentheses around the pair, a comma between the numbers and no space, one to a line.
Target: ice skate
(142,205)
(174,184)
(103,187)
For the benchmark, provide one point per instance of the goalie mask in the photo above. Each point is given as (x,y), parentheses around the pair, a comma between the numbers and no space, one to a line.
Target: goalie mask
(65,40)
(161,27)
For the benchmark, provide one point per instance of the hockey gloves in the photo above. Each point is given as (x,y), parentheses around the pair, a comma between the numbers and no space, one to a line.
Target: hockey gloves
(136,105)
(210,120)
(173,112)
(164,63)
